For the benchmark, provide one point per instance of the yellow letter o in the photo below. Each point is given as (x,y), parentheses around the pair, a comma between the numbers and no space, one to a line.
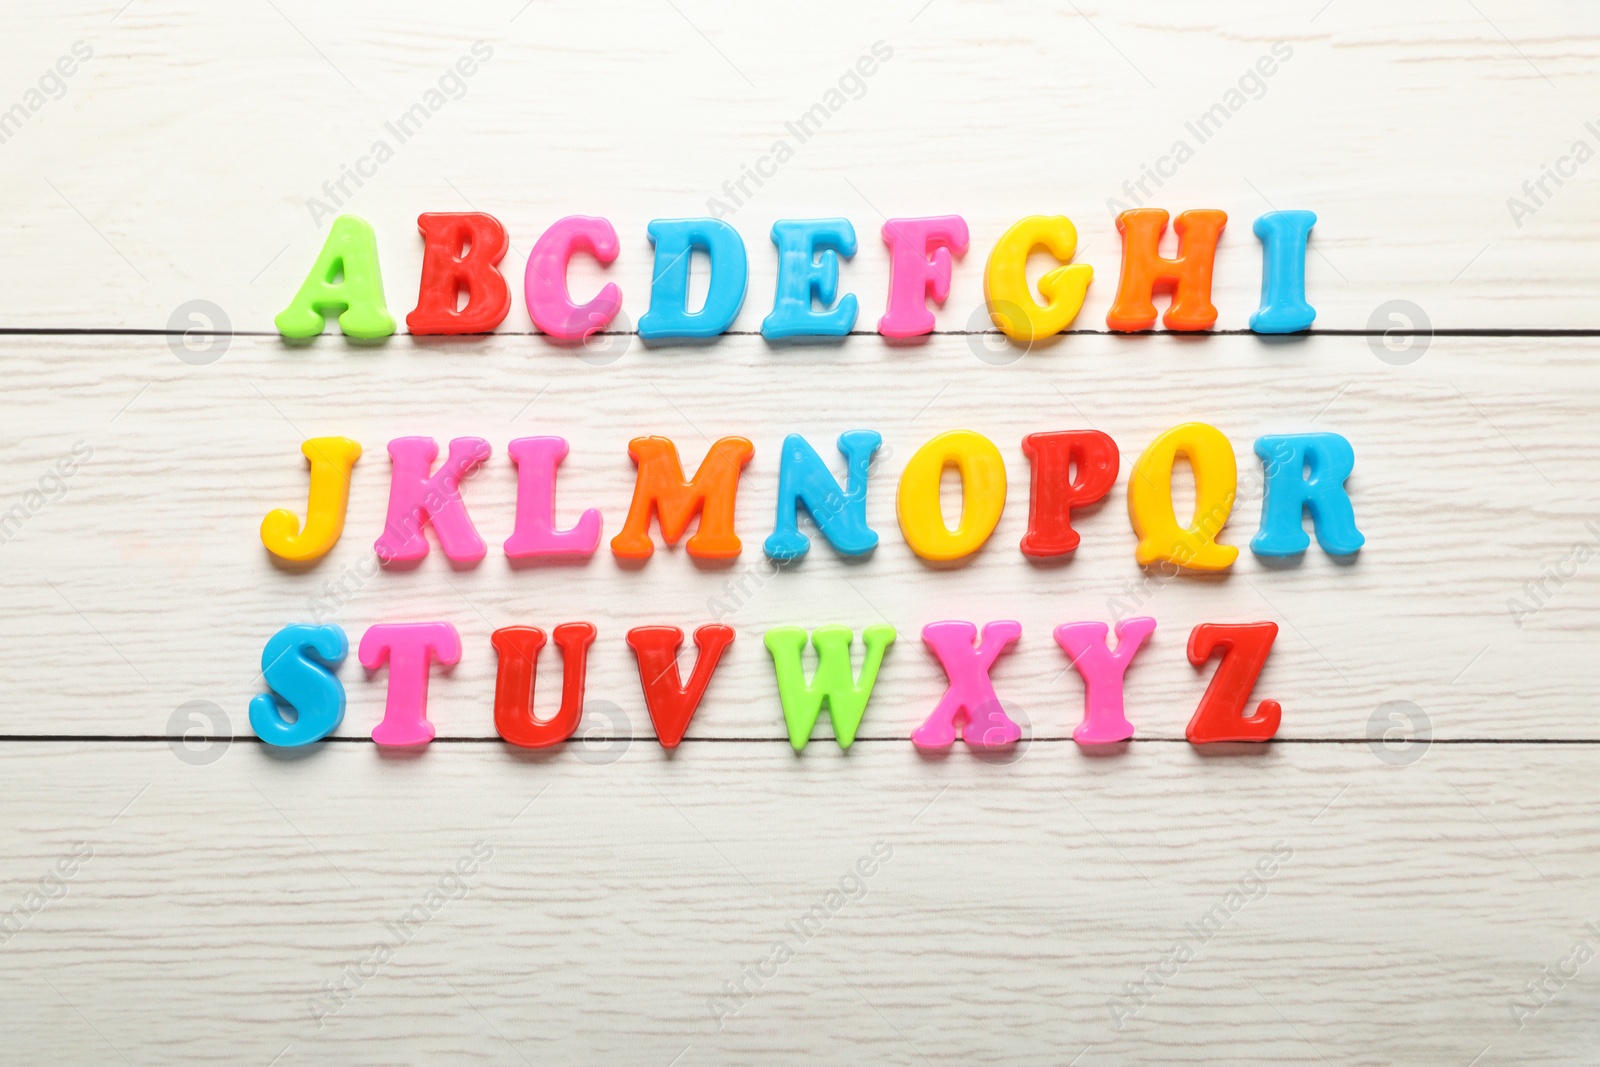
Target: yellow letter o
(983,495)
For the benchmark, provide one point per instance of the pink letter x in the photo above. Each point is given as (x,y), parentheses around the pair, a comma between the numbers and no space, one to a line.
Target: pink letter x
(970,689)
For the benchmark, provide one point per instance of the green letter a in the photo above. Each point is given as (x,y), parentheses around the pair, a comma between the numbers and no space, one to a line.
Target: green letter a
(350,255)
(832,682)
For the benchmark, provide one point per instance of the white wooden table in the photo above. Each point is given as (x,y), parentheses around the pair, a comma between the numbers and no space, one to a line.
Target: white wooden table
(206,899)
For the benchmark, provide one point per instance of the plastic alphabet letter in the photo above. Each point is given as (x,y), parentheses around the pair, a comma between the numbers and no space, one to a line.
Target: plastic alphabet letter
(832,683)
(1005,280)
(1220,716)
(345,279)
(676,241)
(409,648)
(808,267)
(544,283)
(1056,493)
(970,689)
(518,648)
(672,703)
(298,664)
(841,514)
(1283,272)
(1103,671)
(1150,499)
(535,534)
(461,254)
(1145,271)
(660,489)
(919,267)
(1306,472)
(331,459)
(983,492)
(416,497)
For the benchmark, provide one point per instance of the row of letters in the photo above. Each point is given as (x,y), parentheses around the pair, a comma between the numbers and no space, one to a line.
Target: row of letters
(462,290)
(1303,474)
(1071,469)
(307,700)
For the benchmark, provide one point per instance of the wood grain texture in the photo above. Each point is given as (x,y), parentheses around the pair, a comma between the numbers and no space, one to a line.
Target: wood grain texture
(145,585)
(1412,905)
(1430,881)
(1407,131)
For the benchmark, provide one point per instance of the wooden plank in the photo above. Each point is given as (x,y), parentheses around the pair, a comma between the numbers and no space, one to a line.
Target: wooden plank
(1408,134)
(146,586)
(1406,907)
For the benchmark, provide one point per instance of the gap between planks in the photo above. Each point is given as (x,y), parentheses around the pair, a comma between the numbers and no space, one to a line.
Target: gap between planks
(490,740)
(1508,331)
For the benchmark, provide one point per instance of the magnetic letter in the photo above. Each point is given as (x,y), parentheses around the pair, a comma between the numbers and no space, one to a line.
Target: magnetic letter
(1102,671)
(841,514)
(331,459)
(983,495)
(672,703)
(1306,472)
(1055,493)
(808,267)
(544,283)
(832,683)
(408,648)
(460,256)
(1145,271)
(535,534)
(1283,272)
(518,647)
(1150,499)
(1220,716)
(415,498)
(298,664)
(660,489)
(970,689)
(676,241)
(345,279)
(919,267)
(1005,280)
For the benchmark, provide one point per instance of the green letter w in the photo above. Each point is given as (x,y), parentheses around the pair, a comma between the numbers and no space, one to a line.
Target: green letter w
(832,683)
